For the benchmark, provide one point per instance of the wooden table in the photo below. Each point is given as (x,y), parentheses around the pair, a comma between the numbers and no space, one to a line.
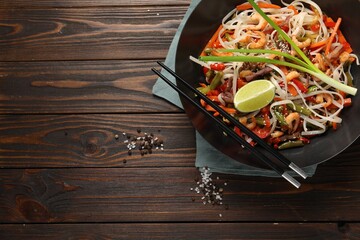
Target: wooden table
(75,76)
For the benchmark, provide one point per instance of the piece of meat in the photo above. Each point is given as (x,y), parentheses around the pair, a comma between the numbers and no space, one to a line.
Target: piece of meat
(258,74)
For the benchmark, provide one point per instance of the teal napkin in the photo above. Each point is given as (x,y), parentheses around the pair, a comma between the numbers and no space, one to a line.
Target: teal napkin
(207,155)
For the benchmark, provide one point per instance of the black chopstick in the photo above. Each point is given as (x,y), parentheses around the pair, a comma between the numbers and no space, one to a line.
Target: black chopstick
(243,128)
(232,134)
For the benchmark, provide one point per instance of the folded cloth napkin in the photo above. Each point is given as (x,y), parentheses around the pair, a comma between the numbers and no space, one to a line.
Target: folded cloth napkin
(207,155)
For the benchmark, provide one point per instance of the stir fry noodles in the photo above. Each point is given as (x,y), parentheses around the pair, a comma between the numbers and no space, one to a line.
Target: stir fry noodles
(309,69)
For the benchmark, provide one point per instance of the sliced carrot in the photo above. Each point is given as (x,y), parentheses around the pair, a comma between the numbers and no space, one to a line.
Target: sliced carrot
(210,108)
(212,40)
(332,36)
(329,22)
(246,6)
(294,9)
(214,92)
(284,69)
(240,83)
(347,102)
(292,90)
(229,110)
(334,125)
(318,44)
(344,42)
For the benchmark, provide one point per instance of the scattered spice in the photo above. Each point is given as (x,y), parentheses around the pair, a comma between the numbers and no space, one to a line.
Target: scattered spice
(145,143)
(211,192)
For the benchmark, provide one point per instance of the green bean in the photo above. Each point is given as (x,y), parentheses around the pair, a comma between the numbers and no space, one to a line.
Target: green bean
(300,109)
(260,121)
(208,50)
(210,74)
(204,90)
(349,78)
(216,80)
(291,144)
(281,118)
(311,89)
(228,37)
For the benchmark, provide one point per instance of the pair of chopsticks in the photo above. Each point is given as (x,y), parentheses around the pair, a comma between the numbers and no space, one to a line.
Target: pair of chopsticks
(259,155)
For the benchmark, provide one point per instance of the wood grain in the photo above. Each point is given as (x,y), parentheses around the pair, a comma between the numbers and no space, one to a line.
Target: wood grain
(164,195)
(88,33)
(91,141)
(80,87)
(87,3)
(56,141)
(240,231)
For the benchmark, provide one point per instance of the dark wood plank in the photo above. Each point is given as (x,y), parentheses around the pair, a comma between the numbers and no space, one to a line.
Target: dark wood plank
(92,33)
(87,3)
(56,141)
(90,140)
(197,231)
(163,195)
(79,87)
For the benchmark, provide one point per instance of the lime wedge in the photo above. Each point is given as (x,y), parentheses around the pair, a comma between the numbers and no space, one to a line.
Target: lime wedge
(254,95)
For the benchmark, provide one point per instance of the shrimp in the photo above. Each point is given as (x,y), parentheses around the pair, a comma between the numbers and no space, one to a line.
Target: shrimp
(320,62)
(245,39)
(276,134)
(291,75)
(260,42)
(344,56)
(244,121)
(261,22)
(320,99)
(292,120)
(302,44)
(245,73)
(220,54)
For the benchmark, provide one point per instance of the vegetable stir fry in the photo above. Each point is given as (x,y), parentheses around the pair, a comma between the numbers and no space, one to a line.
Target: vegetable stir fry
(296,47)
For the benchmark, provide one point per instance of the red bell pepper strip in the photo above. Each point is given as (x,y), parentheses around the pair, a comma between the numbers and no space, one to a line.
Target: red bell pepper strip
(262,132)
(217,66)
(300,85)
